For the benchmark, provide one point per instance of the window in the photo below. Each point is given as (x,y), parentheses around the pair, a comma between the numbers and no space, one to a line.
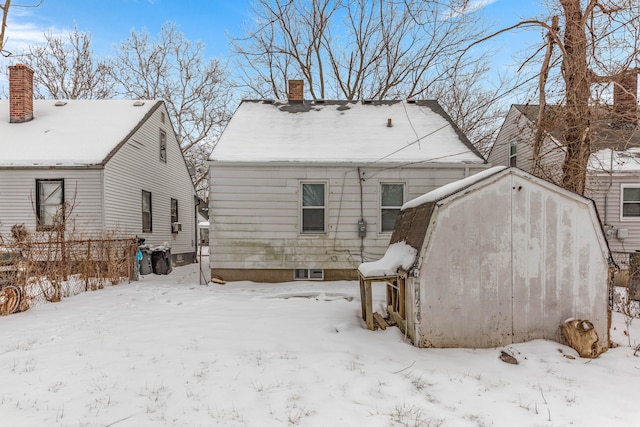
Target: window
(308,274)
(163,146)
(175,226)
(513,153)
(630,202)
(49,202)
(313,207)
(161,117)
(391,200)
(174,210)
(146,212)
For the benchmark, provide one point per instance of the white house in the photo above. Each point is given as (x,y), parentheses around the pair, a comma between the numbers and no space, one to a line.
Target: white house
(116,163)
(307,190)
(613,176)
(497,258)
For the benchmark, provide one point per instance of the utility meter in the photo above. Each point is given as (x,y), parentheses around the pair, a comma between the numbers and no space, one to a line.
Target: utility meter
(362,228)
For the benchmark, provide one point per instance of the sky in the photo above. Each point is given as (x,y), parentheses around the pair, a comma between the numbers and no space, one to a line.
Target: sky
(167,351)
(210,21)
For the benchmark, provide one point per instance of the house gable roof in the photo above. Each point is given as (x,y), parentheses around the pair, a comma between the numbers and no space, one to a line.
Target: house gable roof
(77,133)
(343,132)
(616,147)
(606,133)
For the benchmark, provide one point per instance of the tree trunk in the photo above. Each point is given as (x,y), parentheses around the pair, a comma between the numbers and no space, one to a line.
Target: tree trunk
(576,78)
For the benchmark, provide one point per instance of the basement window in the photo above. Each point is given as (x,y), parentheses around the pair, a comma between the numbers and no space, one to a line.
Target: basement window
(308,274)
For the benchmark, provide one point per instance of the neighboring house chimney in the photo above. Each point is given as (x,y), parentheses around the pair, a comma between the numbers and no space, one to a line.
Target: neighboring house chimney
(625,99)
(296,91)
(20,93)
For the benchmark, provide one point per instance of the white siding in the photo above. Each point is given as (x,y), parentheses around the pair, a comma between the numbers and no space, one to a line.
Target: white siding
(254,213)
(82,190)
(518,128)
(136,167)
(606,189)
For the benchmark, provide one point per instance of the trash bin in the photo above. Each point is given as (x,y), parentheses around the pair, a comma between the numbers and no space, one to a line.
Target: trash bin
(145,262)
(161,260)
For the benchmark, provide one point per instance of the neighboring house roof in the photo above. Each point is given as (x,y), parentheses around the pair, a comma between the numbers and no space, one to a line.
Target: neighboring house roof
(616,146)
(615,161)
(70,132)
(605,131)
(343,132)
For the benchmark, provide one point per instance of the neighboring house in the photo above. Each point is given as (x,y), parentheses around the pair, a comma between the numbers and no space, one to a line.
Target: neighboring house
(307,190)
(115,164)
(613,175)
(500,257)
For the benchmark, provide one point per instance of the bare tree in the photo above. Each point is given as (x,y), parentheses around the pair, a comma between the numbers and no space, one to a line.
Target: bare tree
(65,68)
(5,12)
(4,8)
(363,49)
(588,43)
(197,92)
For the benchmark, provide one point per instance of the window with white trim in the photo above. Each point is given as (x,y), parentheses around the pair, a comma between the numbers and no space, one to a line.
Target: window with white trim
(630,201)
(513,153)
(163,146)
(391,200)
(49,202)
(147,217)
(313,206)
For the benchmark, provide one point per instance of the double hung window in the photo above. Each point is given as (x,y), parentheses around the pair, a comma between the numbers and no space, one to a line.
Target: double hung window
(313,207)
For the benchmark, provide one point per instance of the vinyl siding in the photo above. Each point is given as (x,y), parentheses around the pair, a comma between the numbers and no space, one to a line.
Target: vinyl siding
(82,190)
(255,213)
(602,186)
(517,127)
(136,167)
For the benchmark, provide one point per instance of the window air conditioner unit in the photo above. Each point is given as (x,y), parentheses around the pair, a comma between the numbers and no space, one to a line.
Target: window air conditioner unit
(175,227)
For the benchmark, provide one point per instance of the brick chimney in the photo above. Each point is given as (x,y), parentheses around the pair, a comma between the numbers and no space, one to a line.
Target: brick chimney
(296,91)
(20,93)
(625,99)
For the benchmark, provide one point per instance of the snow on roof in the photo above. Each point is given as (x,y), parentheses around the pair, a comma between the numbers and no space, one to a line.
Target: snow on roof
(608,160)
(397,255)
(80,132)
(453,187)
(341,131)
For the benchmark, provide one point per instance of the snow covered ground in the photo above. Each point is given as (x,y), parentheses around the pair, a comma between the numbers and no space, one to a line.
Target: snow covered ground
(166,351)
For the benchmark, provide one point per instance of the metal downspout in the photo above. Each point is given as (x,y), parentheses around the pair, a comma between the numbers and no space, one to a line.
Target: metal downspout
(606,194)
(360,179)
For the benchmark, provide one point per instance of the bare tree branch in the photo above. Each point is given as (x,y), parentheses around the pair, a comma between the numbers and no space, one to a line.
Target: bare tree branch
(197,92)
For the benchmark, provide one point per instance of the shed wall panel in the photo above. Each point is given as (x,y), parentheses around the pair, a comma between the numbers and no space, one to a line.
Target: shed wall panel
(466,270)
(509,262)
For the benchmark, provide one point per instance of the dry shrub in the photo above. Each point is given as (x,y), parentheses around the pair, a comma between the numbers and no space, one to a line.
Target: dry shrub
(46,266)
